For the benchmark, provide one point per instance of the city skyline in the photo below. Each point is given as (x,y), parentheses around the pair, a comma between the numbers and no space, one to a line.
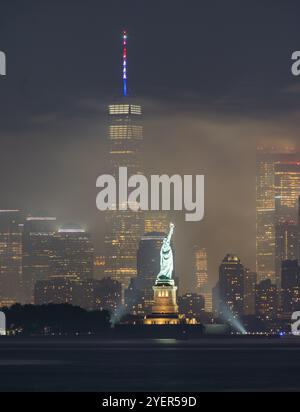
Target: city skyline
(69,141)
(149,200)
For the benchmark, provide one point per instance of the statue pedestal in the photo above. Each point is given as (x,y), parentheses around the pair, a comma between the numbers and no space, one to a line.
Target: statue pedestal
(165,299)
(165,308)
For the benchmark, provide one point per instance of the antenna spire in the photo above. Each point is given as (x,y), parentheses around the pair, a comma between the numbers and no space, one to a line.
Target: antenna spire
(124,37)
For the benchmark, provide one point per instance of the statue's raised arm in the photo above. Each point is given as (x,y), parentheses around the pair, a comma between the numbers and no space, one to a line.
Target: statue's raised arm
(171,231)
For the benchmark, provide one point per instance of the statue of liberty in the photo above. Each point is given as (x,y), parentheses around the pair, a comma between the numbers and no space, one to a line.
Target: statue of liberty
(166,260)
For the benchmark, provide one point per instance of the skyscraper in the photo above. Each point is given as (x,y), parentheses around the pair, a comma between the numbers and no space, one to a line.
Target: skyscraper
(38,235)
(290,285)
(191,305)
(287,190)
(265,214)
(277,192)
(231,286)
(99,266)
(249,292)
(286,244)
(71,270)
(200,264)
(73,254)
(287,187)
(10,255)
(266,300)
(124,228)
(156,222)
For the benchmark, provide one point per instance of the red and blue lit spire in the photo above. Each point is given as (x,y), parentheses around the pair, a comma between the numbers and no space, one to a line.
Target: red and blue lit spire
(124,36)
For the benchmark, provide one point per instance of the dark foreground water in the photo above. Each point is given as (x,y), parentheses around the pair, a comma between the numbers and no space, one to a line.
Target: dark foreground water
(161,365)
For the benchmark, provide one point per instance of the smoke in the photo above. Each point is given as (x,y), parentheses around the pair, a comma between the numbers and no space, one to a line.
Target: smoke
(230,318)
(118,314)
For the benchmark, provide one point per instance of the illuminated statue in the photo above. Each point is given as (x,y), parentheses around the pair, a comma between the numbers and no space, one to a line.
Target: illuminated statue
(164,308)
(166,259)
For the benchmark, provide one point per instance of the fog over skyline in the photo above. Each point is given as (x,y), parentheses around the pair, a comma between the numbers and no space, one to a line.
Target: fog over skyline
(207,100)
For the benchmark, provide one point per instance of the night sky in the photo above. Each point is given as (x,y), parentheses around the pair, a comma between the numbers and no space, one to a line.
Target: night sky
(213,76)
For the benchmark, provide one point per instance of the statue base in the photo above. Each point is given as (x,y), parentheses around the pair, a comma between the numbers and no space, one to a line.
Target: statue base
(165,308)
(167,282)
